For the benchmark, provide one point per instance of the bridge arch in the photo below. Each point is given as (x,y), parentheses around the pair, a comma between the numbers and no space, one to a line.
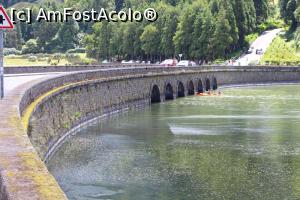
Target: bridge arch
(207,84)
(214,83)
(155,94)
(191,88)
(200,86)
(169,93)
(180,90)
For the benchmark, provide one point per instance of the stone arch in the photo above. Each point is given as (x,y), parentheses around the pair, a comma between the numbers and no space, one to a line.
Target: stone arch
(191,88)
(214,84)
(180,90)
(200,86)
(169,93)
(207,84)
(155,94)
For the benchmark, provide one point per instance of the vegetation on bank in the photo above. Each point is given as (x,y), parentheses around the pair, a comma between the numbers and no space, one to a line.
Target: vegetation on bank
(199,29)
(48,59)
(281,52)
(285,49)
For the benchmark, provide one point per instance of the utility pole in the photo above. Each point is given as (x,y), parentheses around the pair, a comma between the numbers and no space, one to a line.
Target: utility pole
(5,23)
(1,66)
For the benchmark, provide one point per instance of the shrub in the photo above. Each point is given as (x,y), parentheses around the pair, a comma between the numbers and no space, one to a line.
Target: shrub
(30,47)
(269,25)
(32,58)
(57,56)
(77,50)
(73,58)
(11,51)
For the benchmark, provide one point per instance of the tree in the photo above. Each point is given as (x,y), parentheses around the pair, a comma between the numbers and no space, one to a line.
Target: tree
(170,15)
(30,47)
(185,28)
(290,9)
(222,37)
(118,5)
(283,11)
(262,10)
(97,44)
(13,38)
(129,37)
(68,35)
(149,40)
(204,29)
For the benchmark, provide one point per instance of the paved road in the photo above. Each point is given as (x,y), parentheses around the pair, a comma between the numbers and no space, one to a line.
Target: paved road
(262,42)
(13,81)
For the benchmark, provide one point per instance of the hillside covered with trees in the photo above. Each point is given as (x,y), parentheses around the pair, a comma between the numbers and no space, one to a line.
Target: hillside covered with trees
(199,29)
(290,12)
(285,49)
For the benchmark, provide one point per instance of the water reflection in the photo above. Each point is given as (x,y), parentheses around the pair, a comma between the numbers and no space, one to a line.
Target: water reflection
(243,145)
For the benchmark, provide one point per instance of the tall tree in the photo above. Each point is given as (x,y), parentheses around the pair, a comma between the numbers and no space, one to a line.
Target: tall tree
(222,37)
(149,40)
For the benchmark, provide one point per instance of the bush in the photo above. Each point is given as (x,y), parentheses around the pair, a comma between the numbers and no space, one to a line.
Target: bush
(11,51)
(269,25)
(32,58)
(30,47)
(57,56)
(73,58)
(251,38)
(77,50)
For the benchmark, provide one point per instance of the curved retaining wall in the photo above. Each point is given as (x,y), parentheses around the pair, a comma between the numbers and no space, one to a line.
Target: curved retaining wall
(53,107)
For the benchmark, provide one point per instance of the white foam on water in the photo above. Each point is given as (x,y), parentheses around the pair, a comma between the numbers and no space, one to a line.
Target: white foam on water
(181,130)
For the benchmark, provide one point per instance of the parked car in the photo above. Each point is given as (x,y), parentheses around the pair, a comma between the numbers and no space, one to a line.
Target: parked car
(127,62)
(105,62)
(169,62)
(259,51)
(250,50)
(186,63)
(194,64)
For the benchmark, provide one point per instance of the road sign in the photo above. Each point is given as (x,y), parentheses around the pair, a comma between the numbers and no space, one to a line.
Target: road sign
(5,22)
(180,56)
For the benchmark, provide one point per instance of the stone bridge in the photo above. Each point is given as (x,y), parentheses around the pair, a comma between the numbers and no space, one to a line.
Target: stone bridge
(38,117)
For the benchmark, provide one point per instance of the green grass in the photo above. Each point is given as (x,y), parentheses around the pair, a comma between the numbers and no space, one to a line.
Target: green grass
(251,38)
(281,52)
(23,60)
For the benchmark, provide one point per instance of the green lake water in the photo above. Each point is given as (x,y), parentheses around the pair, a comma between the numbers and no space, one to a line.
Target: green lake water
(244,144)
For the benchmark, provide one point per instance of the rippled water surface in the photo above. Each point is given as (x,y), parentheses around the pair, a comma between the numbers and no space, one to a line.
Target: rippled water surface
(242,145)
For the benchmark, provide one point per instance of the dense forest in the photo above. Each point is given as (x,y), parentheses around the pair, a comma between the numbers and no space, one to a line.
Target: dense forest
(290,13)
(198,29)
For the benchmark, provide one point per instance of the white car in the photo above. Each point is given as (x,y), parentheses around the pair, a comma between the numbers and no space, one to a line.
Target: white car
(169,62)
(127,62)
(194,64)
(186,63)
(105,62)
